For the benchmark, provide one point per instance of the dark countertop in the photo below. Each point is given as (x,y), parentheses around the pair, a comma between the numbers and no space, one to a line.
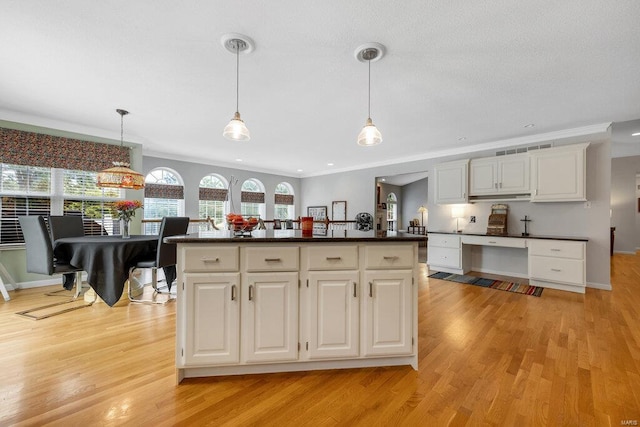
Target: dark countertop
(286,236)
(516,236)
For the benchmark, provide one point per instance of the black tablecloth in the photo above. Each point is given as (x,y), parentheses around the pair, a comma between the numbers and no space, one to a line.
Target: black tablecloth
(106,259)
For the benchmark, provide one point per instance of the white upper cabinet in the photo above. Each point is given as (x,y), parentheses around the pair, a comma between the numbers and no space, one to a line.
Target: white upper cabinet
(504,175)
(451,182)
(558,174)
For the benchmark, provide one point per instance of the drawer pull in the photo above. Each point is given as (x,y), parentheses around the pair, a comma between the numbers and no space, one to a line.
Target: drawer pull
(371,289)
(206,260)
(390,258)
(250,292)
(233,292)
(354,290)
(557,270)
(492,242)
(556,250)
(334,258)
(272,260)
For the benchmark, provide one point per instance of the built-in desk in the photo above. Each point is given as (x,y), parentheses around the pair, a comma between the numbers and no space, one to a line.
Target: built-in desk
(553,262)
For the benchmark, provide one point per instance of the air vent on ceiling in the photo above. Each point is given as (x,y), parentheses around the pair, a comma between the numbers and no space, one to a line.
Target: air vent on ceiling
(523,149)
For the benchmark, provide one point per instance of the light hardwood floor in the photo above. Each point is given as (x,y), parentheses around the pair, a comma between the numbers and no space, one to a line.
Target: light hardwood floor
(487,357)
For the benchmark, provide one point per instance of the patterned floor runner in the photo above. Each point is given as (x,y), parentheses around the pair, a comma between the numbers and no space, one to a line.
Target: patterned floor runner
(518,288)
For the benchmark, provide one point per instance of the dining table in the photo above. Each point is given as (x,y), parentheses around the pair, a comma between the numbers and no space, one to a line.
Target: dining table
(108,259)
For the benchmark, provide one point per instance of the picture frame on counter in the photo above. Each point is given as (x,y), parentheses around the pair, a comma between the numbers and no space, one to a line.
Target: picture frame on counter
(318,213)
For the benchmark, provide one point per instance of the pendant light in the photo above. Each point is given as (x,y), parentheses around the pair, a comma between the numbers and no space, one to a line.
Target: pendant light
(120,176)
(236,130)
(369,135)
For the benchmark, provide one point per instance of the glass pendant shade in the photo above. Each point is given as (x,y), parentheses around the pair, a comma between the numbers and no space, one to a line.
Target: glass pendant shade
(369,135)
(236,129)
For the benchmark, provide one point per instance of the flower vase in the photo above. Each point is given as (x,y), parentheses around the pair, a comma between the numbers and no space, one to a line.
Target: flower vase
(124,228)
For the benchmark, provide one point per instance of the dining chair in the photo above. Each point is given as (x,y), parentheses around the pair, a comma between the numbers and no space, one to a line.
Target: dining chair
(40,259)
(165,257)
(66,226)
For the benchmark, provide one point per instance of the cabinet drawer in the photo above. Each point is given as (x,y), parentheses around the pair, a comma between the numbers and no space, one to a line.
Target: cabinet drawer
(388,256)
(444,257)
(557,270)
(331,257)
(201,258)
(270,258)
(557,248)
(444,240)
(508,242)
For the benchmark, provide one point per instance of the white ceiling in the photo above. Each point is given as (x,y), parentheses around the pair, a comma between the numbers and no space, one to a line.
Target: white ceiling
(452,70)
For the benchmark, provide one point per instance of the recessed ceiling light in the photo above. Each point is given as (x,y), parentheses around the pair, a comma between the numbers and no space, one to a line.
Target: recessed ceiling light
(635,134)
(462,138)
(329,164)
(299,170)
(383,180)
(530,125)
(238,160)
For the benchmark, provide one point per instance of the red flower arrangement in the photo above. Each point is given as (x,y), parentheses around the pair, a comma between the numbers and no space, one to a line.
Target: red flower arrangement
(126,209)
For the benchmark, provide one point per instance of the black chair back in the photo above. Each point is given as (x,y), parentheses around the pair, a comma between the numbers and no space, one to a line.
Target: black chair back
(38,244)
(170,226)
(65,226)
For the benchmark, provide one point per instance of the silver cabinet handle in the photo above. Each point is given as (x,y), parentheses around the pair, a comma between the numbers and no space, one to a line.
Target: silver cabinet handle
(556,270)
(500,185)
(493,242)
(371,289)
(495,185)
(233,292)
(250,292)
(206,260)
(272,259)
(556,250)
(390,258)
(334,258)
(354,290)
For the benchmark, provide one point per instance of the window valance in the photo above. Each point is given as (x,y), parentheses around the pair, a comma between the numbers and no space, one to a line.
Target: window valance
(163,191)
(35,149)
(215,194)
(284,199)
(251,197)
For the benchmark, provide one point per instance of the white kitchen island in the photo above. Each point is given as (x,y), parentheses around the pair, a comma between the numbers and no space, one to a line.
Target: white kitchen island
(278,302)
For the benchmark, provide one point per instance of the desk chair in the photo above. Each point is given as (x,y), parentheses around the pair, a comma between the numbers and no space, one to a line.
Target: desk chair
(66,226)
(165,256)
(40,260)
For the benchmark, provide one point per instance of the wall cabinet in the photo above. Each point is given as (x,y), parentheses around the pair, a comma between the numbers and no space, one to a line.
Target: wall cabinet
(503,175)
(558,174)
(451,182)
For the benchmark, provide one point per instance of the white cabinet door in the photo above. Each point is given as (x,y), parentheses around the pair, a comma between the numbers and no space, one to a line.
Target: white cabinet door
(270,316)
(451,182)
(387,312)
(483,176)
(558,174)
(212,318)
(334,314)
(499,175)
(513,174)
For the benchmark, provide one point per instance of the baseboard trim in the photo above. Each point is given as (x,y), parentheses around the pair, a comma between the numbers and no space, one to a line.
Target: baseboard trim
(601,286)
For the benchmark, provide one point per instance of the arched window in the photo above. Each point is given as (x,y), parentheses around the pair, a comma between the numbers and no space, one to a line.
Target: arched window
(252,198)
(283,202)
(212,199)
(392,211)
(163,196)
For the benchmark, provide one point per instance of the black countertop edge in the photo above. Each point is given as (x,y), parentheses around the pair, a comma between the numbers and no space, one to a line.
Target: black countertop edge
(516,236)
(295,236)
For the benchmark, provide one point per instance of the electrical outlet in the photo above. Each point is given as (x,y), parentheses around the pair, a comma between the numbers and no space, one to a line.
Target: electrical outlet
(587,205)
(473,218)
